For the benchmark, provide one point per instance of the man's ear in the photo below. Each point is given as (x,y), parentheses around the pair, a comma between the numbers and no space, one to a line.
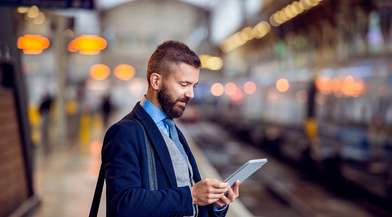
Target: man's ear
(155,81)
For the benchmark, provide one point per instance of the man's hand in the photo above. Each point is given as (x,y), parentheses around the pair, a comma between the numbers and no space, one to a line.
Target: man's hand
(231,195)
(208,191)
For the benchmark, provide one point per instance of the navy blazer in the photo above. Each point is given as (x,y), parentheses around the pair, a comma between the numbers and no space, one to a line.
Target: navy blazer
(126,172)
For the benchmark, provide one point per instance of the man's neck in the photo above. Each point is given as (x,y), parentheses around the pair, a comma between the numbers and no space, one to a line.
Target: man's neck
(152,98)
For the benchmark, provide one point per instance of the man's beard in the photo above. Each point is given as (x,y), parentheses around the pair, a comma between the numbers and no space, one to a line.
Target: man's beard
(171,106)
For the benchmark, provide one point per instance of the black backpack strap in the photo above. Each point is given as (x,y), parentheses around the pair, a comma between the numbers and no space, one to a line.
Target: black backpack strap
(97,194)
(152,177)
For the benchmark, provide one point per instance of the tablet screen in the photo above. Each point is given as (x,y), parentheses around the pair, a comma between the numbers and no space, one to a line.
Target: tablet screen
(246,170)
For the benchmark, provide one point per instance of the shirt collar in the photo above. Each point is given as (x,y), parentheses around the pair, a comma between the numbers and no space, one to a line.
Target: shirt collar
(156,113)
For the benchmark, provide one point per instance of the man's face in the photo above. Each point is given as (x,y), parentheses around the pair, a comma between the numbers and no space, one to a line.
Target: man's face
(177,89)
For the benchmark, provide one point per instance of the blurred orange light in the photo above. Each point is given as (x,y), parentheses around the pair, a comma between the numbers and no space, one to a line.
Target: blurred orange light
(87,44)
(282,85)
(99,72)
(217,89)
(230,88)
(72,46)
(336,85)
(359,88)
(250,87)
(352,87)
(124,72)
(32,44)
(324,85)
(32,52)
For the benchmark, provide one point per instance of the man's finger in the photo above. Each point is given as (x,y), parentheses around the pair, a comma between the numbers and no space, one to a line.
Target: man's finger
(225,200)
(214,190)
(218,184)
(220,203)
(210,201)
(236,188)
(230,194)
(214,196)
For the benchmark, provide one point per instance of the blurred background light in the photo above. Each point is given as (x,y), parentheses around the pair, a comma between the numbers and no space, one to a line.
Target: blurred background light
(217,89)
(249,87)
(99,72)
(32,44)
(230,88)
(87,44)
(261,29)
(124,72)
(33,12)
(211,62)
(22,10)
(291,10)
(282,85)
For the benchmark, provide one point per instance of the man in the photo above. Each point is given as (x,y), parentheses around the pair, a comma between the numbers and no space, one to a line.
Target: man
(106,109)
(45,109)
(172,74)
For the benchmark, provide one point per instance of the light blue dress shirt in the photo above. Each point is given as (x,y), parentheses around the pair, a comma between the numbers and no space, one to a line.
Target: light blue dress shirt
(156,114)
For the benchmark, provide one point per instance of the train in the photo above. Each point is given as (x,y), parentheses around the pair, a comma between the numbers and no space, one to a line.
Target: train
(337,122)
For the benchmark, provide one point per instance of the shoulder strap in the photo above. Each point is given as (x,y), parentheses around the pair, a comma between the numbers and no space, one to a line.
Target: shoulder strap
(97,194)
(152,176)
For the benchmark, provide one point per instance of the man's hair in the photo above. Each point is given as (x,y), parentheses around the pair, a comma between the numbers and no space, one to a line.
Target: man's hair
(170,52)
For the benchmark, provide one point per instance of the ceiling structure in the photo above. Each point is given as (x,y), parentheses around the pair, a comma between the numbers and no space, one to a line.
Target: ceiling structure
(206,4)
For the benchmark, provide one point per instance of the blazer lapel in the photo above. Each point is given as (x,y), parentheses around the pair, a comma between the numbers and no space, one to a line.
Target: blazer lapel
(192,161)
(157,142)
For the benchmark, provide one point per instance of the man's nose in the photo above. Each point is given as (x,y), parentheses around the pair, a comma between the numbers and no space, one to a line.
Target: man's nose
(189,93)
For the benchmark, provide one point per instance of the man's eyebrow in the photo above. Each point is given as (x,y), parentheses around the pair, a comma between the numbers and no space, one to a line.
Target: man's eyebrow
(189,82)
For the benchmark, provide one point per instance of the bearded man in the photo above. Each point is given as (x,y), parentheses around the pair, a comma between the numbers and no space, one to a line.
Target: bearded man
(146,148)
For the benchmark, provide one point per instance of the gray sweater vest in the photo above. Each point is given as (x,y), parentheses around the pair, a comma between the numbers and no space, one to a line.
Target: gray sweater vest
(182,167)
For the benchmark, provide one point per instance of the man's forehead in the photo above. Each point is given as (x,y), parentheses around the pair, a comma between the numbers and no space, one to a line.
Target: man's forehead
(183,71)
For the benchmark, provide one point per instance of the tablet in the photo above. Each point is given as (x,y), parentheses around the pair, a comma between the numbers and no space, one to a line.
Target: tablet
(245,171)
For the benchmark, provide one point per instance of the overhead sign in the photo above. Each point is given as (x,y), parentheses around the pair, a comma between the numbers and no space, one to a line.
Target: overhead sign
(86,4)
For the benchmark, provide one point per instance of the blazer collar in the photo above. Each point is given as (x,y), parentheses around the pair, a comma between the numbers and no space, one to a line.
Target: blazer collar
(159,145)
(192,161)
(156,140)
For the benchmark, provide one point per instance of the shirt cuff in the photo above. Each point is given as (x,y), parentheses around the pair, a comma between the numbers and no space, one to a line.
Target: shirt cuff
(219,209)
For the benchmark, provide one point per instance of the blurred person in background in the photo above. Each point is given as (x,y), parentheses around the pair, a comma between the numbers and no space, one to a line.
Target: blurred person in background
(106,109)
(172,74)
(45,108)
